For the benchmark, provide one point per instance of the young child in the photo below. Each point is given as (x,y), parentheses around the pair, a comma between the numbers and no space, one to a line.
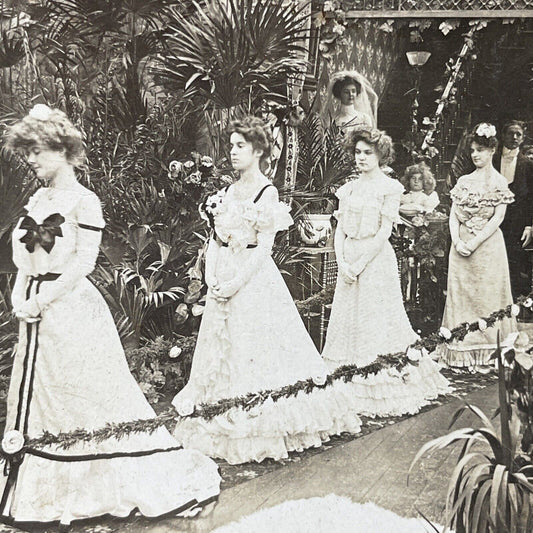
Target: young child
(421,196)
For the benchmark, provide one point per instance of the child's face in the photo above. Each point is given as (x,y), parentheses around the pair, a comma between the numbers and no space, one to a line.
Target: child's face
(416,183)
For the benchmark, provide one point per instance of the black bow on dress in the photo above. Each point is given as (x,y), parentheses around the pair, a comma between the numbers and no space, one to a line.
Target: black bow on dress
(45,234)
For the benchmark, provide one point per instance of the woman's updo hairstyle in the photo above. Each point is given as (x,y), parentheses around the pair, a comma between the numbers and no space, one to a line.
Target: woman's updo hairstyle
(256,132)
(378,139)
(484,134)
(341,82)
(50,128)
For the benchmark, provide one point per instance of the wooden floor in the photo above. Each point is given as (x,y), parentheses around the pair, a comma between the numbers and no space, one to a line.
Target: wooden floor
(371,468)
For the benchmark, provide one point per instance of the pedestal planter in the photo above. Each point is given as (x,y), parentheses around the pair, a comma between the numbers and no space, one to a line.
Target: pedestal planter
(315,229)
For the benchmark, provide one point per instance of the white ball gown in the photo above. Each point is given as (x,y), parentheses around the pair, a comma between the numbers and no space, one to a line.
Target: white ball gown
(70,372)
(468,299)
(368,317)
(255,341)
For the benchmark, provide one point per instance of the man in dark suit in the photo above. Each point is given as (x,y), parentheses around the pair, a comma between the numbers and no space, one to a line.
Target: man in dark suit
(516,227)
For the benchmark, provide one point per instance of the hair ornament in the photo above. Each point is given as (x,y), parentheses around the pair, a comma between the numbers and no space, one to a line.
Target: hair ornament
(40,112)
(485,130)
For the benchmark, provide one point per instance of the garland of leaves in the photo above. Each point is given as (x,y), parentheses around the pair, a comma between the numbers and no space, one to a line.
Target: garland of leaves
(347,372)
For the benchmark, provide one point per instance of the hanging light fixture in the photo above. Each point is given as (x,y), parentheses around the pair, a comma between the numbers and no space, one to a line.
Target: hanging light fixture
(418,58)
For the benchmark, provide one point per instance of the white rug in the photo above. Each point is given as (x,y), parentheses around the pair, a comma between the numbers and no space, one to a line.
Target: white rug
(331,514)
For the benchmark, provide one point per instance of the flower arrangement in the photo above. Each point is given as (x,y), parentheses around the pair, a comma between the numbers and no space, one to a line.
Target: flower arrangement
(210,208)
(198,172)
(486,130)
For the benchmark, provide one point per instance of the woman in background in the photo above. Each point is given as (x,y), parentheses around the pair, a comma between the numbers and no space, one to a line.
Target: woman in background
(356,101)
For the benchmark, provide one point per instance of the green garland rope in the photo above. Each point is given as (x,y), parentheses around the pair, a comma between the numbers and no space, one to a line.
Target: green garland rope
(396,361)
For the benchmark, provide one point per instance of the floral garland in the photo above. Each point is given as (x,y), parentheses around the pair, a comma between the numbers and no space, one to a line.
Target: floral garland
(347,372)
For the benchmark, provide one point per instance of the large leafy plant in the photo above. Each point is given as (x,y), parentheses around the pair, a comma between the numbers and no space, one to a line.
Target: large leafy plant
(231,55)
(16,185)
(323,164)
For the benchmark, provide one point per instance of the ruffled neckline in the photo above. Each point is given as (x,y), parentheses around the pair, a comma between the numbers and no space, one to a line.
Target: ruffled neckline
(472,192)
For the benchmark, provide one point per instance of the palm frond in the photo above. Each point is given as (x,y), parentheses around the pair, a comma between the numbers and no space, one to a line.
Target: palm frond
(12,49)
(231,51)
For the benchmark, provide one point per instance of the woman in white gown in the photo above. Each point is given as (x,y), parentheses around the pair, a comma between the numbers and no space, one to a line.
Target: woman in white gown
(368,318)
(70,371)
(251,337)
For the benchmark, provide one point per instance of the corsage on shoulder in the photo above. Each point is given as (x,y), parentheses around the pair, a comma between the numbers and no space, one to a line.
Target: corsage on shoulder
(212,206)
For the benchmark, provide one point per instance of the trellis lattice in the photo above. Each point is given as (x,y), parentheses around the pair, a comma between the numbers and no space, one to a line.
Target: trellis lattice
(497,5)
(435,5)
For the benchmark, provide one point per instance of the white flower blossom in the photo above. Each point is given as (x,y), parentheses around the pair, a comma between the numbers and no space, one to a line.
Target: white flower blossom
(445,27)
(515,310)
(413,354)
(197,309)
(320,379)
(482,324)
(12,442)
(40,112)
(175,352)
(528,302)
(445,332)
(184,407)
(486,130)
(174,169)
(337,28)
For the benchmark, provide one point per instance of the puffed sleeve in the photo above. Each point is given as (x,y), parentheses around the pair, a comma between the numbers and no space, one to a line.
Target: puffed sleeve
(459,192)
(273,216)
(501,194)
(391,201)
(342,193)
(34,198)
(90,222)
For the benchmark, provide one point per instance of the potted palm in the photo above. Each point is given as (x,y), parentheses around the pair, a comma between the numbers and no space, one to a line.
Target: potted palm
(322,167)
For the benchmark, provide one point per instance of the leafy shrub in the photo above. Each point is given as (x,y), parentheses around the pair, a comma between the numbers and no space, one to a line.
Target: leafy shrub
(159,366)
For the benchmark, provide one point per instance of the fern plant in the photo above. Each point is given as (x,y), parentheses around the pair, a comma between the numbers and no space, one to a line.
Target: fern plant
(17,183)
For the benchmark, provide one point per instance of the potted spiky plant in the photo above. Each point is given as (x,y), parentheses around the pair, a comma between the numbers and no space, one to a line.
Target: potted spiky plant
(491,487)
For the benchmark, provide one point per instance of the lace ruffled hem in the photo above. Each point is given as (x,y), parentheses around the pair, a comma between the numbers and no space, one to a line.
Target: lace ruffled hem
(392,392)
(270,430)
(473,358)
(307,420)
